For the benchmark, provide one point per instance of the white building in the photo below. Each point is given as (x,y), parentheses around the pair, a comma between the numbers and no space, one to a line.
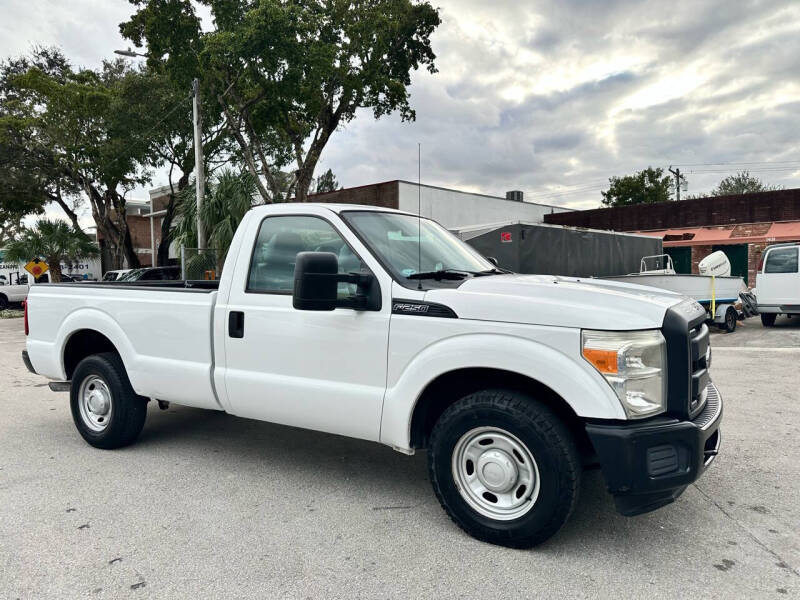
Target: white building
(454,209)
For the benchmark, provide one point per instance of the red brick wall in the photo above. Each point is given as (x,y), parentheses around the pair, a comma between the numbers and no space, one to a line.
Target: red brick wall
(753,256)
(698,254)
(386,195)
(779,205)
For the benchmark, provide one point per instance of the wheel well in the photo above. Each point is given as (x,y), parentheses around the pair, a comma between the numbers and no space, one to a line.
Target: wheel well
(83,343)
(450,387)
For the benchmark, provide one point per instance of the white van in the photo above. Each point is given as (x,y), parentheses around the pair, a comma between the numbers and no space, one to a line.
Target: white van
(778,282)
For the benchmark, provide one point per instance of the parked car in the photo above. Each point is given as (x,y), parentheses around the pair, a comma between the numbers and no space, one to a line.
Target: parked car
(15,288)
(114,275)
(151,274)
(381,325)
(778,282)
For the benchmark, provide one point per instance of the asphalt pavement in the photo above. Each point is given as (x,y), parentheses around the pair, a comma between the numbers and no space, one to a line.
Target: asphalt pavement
(208,505)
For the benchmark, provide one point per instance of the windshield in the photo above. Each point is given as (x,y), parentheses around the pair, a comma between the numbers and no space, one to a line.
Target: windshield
(395,239)
(132,275)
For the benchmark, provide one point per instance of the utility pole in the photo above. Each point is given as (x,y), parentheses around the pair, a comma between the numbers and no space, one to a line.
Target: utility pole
(677,173)
(199,176)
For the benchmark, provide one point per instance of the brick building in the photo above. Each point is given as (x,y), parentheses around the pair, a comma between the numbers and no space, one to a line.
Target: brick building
(741,226)
(144,222)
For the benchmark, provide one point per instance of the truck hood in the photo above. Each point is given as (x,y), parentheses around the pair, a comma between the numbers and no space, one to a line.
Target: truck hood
(558,301)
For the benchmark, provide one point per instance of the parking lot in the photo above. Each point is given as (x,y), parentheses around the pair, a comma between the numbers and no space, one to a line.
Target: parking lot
(207,505)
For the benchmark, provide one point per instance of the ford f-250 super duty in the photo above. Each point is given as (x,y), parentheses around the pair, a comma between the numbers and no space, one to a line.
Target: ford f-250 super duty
(380,325)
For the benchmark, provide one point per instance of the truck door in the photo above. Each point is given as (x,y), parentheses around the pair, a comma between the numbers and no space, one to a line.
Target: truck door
(780,282)
(323,370)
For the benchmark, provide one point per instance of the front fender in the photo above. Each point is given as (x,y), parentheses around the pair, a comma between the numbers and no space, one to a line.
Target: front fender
(572,379)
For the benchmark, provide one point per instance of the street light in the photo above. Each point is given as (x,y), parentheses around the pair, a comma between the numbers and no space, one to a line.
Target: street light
(129,53)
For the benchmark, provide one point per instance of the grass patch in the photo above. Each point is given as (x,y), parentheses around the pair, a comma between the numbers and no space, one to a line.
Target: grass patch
(11,313)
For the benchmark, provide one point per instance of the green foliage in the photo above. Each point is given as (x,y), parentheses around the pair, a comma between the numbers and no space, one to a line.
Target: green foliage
(53,241)
(227,200)
(286,74)
(326,183)
(648,186)
(70,135)
(742,183)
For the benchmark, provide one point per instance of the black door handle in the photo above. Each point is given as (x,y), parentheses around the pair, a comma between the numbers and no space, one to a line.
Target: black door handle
(236,324)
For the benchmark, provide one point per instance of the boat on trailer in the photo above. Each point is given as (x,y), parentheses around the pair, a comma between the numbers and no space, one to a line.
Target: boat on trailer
(714,288)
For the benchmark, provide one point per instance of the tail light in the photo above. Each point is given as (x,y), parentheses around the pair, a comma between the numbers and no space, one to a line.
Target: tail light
(760,262)
(25,306)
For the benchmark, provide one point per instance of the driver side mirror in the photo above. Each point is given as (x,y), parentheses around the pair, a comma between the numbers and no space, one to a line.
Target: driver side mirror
(316,284)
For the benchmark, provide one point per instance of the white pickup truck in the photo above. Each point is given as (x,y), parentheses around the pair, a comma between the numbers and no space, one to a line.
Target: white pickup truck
(379,325)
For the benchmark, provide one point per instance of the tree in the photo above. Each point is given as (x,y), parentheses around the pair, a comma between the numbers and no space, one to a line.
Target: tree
(53,241)
(76,131)
(326,183)
(742,183)
(648,186)
(30,176)
(285,74)
(227,200)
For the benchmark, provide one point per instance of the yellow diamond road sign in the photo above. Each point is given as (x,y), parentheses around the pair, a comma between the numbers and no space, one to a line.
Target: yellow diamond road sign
(36,267)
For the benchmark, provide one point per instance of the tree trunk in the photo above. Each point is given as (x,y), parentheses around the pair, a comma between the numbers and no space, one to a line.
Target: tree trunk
(55,269)
(58,199)
(165,242)
(304,178)
(127,248)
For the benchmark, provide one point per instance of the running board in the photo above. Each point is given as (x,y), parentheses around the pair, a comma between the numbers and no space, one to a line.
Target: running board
(59,386)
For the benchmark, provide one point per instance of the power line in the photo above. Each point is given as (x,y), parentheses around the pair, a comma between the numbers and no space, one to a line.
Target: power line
(757,162)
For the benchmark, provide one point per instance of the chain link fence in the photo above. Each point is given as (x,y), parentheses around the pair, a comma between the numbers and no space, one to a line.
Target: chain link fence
(200,263)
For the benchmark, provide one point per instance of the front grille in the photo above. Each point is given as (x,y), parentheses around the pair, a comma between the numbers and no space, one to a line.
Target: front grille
(698,355)
(687,340)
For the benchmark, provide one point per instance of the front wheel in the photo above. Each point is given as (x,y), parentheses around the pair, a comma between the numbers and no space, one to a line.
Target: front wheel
(105,409)
(504,468)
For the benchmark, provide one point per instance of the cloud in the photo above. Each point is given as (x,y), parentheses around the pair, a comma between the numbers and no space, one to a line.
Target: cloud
(552,97)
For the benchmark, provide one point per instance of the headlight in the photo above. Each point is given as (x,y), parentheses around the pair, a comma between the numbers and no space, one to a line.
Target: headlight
(634,364)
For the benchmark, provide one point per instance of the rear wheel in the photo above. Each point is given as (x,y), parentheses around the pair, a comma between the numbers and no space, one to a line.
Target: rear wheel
(105,409)
(729,326)
(3,302)
(504,468)
(768,319)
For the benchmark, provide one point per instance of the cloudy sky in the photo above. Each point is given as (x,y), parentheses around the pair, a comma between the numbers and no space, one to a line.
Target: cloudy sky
(550,97)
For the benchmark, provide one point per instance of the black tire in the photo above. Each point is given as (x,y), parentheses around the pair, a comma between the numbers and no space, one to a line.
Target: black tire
(3,302)
(547,440)
(729,326)
(768,319)
(127,410)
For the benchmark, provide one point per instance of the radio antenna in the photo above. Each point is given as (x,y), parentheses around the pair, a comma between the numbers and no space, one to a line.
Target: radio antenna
(419,213)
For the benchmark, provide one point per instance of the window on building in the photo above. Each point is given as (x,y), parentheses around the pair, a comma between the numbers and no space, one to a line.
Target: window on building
(281,239)
(781,260)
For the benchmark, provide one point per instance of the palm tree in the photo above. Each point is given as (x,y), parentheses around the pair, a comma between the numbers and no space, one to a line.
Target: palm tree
(227,200)
(53,241)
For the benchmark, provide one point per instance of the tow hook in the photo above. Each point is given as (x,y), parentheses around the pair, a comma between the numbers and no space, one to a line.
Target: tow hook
(163,404)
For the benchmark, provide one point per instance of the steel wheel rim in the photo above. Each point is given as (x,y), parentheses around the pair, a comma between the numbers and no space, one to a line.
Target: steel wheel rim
(495,473)
(95,403)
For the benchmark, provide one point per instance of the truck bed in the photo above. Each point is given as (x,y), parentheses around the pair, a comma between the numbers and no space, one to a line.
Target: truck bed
(161,329)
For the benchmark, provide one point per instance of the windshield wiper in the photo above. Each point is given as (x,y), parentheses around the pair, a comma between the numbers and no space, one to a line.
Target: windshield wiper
(441,274)
(492,271)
